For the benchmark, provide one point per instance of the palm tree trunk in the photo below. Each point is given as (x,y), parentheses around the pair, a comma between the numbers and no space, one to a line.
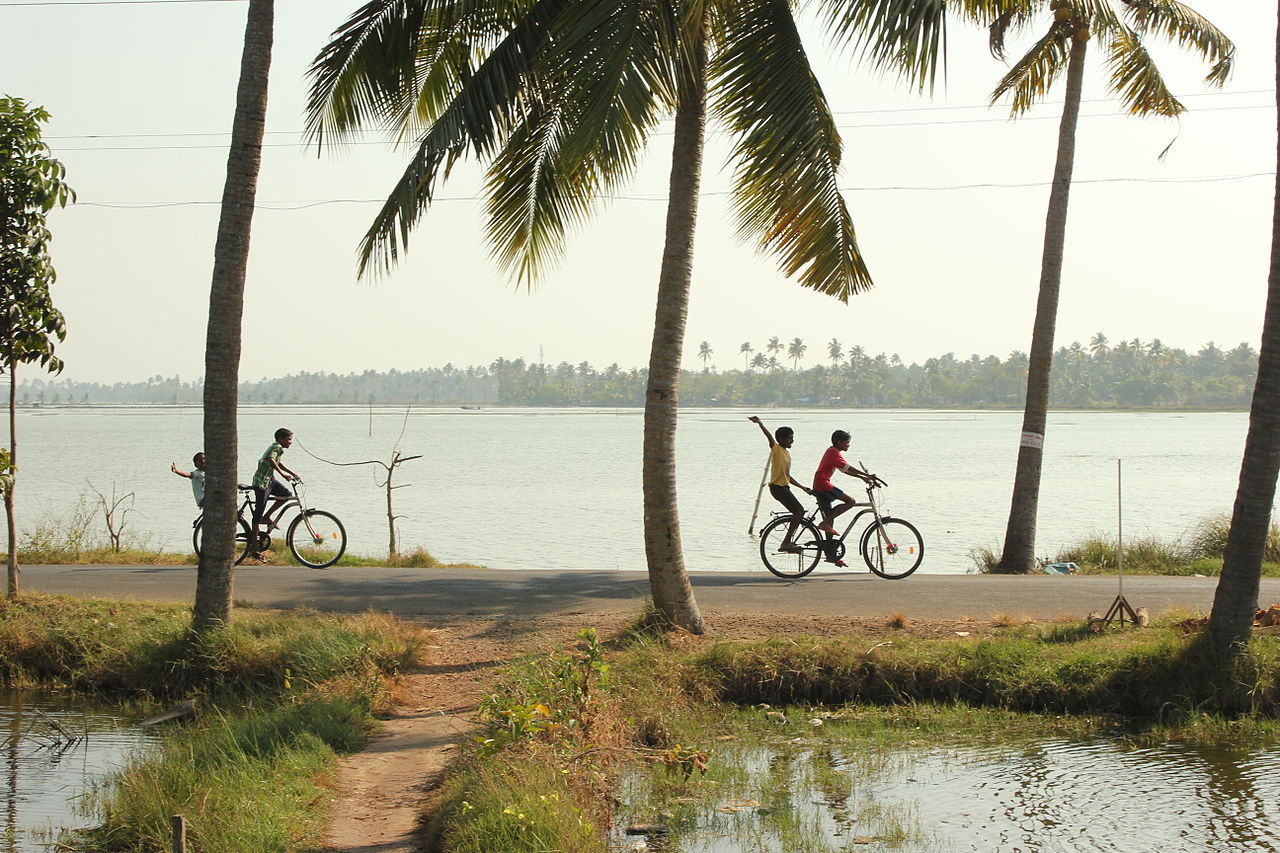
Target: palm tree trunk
(12,560)
(1020,533)
(226,309)
(1236,598)
(668,581)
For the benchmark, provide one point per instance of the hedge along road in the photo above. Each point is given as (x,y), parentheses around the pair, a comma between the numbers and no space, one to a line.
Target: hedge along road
(532,594)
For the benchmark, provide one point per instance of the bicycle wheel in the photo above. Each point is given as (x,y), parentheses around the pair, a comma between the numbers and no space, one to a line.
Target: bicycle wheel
(897,553)
(790,564)
(317,539)
(242,538)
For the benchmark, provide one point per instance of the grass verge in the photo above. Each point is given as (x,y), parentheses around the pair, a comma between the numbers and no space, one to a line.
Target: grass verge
(1197,552)
(280,696)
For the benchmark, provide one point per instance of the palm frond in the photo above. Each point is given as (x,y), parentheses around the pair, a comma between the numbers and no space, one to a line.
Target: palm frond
(600,91)
(788,150)
(1188,29)
(478,119)
(1032,76)
(907,36)
(364,67)
(1136,79)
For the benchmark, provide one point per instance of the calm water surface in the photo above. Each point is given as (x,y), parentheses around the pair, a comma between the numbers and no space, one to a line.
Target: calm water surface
(560,488)
(45,775)
(1052,796)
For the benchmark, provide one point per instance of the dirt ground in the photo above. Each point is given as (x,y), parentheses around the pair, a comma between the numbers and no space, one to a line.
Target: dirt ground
(381,795)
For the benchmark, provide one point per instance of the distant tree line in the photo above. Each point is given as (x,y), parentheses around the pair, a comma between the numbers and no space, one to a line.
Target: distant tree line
(1127,374)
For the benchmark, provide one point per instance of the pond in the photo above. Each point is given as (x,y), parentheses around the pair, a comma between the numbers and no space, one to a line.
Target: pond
(1059,795)
(52,749)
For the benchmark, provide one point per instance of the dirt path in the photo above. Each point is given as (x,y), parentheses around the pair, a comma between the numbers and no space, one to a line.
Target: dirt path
(382,793)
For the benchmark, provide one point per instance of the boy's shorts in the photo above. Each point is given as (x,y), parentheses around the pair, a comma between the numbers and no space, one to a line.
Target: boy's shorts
(827,498)
(782,494)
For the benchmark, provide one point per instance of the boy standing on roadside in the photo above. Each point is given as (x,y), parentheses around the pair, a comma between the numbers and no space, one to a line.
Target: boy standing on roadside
(266,486)
(780,479)
(827,493)
(195,475)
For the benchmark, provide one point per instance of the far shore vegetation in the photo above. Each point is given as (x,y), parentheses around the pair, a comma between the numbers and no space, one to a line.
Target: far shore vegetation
(278,697)
(1127,374)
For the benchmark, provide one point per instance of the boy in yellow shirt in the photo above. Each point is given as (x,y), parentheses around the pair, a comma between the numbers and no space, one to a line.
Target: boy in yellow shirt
(780,479)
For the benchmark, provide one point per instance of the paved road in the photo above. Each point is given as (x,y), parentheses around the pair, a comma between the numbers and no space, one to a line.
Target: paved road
(530,594)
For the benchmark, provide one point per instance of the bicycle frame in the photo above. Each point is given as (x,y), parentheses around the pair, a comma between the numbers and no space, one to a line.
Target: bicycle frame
(870,507)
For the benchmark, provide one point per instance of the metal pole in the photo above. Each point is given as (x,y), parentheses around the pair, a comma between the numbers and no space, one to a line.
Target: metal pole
(1119,532)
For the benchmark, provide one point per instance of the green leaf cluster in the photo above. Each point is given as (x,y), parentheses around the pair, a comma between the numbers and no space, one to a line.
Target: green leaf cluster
(31,184)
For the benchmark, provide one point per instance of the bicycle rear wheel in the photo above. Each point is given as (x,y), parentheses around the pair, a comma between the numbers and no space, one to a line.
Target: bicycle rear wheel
(895,554)
(317,539)
(790,564)
(242,538)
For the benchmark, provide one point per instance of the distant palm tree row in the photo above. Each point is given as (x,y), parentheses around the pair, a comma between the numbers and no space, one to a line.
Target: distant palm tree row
(1129,374)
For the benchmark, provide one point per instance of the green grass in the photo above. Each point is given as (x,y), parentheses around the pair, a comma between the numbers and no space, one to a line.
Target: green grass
(280,696)
(1197,552)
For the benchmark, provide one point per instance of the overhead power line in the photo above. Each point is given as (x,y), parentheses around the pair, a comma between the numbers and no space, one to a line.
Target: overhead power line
(307,204)
(118,2)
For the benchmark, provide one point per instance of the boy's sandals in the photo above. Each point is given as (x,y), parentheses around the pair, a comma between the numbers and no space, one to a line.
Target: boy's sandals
(840,564)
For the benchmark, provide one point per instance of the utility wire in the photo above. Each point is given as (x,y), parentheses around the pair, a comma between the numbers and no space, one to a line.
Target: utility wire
(119,2)
(290,206)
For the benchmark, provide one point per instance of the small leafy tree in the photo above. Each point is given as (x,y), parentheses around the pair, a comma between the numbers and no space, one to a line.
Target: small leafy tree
(31,185)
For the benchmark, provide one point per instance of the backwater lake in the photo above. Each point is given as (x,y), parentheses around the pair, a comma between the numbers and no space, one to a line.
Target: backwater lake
(554,488)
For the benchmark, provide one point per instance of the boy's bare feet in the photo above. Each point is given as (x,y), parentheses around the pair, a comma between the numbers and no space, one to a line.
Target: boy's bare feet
(827,528)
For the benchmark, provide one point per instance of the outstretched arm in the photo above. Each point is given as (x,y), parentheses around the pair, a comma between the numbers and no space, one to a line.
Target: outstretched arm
(756,420)
(173,466)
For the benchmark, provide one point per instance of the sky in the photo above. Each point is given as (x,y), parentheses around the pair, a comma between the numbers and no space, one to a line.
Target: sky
(948,197)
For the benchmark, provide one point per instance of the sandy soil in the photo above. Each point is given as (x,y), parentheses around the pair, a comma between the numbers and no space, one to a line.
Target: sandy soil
(383,794)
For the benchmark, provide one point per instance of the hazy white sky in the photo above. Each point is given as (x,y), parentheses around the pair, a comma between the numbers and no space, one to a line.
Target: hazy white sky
(947,195)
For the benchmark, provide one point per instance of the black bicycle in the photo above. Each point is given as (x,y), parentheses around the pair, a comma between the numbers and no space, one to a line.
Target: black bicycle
(316,538)
(891,547)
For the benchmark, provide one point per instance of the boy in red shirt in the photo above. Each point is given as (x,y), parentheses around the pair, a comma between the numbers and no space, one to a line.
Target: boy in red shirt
(827,492)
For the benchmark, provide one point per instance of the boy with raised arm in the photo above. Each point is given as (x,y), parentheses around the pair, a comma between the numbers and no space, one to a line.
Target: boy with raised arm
(781,481)
(195,475)
(827,493)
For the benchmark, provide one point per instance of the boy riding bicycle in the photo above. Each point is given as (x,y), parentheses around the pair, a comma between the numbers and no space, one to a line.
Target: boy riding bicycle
(828,494)
(267,487)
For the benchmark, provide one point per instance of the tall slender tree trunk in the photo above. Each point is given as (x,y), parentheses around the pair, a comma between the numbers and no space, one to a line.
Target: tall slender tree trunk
(668,581)
(226,309)
(1020,533)
(10,523)
(1236,598)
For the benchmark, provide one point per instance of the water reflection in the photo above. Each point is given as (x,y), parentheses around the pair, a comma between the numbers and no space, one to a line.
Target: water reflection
(53,748)
(1055,795)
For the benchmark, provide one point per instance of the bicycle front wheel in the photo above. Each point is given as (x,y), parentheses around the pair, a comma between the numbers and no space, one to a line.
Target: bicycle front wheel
(803,552)
(892,548)
(317,539)
(242,538)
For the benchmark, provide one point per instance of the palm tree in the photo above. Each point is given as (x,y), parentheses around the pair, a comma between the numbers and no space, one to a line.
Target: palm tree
(835,352)
(559,96)
(1120,26)
(705,352)
(795,352)
(1236,598)
(760,362)
(774,346)
(226,307)
(746,349)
